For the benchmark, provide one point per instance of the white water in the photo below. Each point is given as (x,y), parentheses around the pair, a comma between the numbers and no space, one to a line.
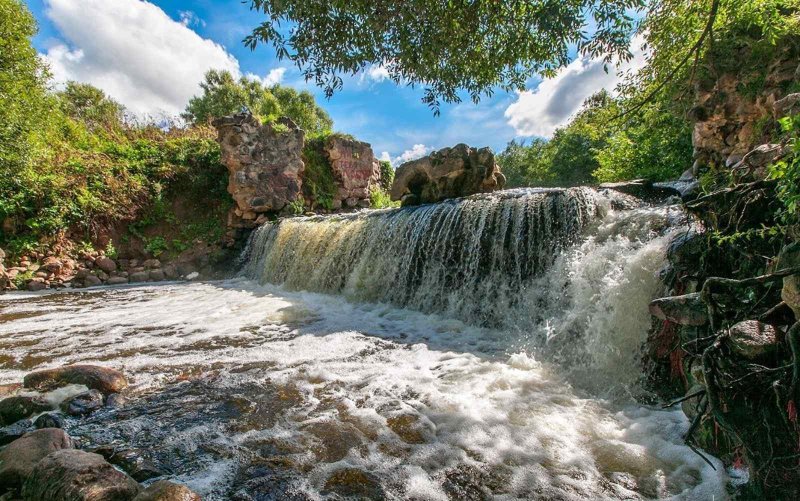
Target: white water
(433,405)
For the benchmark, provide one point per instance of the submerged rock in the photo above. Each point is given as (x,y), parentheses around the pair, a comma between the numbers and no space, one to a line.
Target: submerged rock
(49,420)
(447,173)
(752,339)
(164,490)
(18,460)
(13,409)
(10,433)
(83,403)
(135,464)
(688,309)
(94,377)
(352,482)
(73,475)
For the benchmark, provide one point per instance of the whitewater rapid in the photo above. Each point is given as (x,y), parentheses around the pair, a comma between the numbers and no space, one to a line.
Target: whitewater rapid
(243,388)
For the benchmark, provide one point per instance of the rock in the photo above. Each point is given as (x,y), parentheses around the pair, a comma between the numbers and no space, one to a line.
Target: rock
(689,407)
(19,458)
(12,432)
(94,377)
(52,265)
(688,309)
(170,272)
(13,409)
(192,276)
(789,105)
(92,281)
(755,163)
(115,400)
(49,420)
(36,284)
(185,269)
(789,257)
(82,273)
(135,464)
(752,339)
(157,275)
(265,161)
(355,483)
(139,276)
(151,264)
(73,475)
(83,404)
(354,167)
(685,249)
(643,189)
(106,264)
(447,173)
(164,490)
(117,281)
(9,389)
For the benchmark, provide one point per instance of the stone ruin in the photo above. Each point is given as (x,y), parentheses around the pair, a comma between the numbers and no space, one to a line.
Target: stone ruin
(447,173)
(355,170)
(265,164)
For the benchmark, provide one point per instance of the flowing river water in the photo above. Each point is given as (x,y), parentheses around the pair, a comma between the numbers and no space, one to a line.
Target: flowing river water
(483,348)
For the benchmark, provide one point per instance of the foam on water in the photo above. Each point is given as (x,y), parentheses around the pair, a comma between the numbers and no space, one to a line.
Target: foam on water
(270,389)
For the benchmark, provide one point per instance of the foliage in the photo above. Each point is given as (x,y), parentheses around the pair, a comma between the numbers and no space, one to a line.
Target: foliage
(445,47)
(318,182)
(387,175)
(787,171)
(224,95)
(23,99)
(380,199)
(89,105)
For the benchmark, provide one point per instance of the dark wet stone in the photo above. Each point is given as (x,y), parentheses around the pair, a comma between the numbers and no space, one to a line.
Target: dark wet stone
(49,420)
(165,490)
(73,475)
(688,309)
(752,339)
(12,432)
(268,481)
(136,464)
(83,404)
(19,458)
(13,409)
(352,482)
(116,401)
(94,377)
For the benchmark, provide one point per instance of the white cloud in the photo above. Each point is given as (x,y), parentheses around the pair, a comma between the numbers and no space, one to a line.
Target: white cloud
(540,111)
(377,73)
(386,157)
(189,18)
(275,76)
(416,151)
(134,51)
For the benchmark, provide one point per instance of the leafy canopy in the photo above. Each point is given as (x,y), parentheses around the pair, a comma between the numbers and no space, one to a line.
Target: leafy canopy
(224,95)
(445,46)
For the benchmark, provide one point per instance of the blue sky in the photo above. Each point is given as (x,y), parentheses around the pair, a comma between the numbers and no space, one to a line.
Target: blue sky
(151,55)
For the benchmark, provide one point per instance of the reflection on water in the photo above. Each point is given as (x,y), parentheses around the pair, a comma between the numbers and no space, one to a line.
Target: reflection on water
(245,391)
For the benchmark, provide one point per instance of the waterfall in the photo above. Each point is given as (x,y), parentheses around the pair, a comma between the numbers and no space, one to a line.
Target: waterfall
(549,266)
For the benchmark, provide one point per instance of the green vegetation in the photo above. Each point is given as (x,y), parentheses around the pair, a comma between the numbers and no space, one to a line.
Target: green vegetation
(224,95)
(787,171)
(443,46)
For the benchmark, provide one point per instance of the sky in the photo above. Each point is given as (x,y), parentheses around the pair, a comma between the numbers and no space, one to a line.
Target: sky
(152,55)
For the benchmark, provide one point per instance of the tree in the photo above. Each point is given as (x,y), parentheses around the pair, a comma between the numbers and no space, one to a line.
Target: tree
(444,46)
(224,95)
(90,105)
(23,79)
(525,164)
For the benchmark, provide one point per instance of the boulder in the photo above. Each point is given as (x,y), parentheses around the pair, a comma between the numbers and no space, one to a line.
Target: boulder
(789,257)
(447,173)
(73,475)
(354,167)
(264,161)
(152,264)
(354,483)
(106,264)
(52,264)
(13,409)
(688,309)
(49,420)
(92,281)
(685,249)
(83,404)
(134,463)
(752,339)
(170,271)
(789,105)
(19,458)
(157,275)
(36,284)
(139,276)
(164,490)
(755,163)
(117,281)
(94,377)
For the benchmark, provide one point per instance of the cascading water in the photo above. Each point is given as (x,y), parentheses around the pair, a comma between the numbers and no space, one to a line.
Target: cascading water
(558,270)
(462,350)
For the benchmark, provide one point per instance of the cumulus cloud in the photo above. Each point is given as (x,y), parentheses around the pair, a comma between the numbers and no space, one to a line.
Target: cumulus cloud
(134,51)
(416,151)
(386,157)
(540,111)
(189,18)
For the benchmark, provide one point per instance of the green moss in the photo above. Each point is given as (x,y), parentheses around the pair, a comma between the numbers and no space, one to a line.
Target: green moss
(319,184)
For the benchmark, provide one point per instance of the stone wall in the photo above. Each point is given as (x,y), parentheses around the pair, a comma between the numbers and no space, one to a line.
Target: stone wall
(447,173)
(355,170)
(265,164)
